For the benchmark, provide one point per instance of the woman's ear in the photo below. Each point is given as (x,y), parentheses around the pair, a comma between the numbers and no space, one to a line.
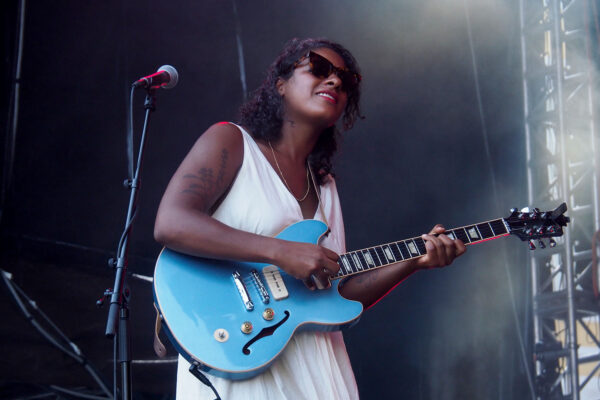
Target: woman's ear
(280,86)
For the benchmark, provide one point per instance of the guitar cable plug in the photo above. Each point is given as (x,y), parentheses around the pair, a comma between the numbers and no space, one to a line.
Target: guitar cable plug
(195,370)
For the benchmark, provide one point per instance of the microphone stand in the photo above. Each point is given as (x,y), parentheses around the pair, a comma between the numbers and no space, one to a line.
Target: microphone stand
(117,326)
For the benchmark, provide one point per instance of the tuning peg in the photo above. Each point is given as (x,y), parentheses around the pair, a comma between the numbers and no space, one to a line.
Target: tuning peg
(529,232)
(531,245)
(541,244)
(551,229)
(552,242)
(540,230)
(534,213)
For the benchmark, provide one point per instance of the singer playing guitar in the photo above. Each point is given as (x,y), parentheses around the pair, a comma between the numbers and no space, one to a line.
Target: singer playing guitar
(241,184)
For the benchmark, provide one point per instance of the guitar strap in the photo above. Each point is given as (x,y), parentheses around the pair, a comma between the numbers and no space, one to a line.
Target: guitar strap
(159,347)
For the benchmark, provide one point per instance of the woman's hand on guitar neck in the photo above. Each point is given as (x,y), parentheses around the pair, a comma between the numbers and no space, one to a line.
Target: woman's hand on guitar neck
(311,263)
(441,250)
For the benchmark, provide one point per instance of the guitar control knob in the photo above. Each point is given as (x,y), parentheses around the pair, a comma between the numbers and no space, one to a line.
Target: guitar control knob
(531,245)
(247,327)
(268,314)
(541,244)
(221,335)
(552,242)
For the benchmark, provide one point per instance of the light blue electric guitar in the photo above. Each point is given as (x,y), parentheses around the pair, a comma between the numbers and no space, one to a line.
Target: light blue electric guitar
(232,319)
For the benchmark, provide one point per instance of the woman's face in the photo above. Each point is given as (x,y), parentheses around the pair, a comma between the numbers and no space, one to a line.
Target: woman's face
(314,99)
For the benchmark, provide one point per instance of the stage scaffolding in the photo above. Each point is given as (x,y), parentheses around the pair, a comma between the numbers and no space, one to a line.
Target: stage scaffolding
(559,48)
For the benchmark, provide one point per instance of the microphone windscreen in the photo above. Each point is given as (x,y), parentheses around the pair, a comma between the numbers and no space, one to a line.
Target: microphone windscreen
(174,76)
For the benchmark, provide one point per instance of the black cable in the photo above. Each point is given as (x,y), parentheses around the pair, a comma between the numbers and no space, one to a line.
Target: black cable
(195,370)
(126,231)
(130,157)
(75,353)
(76,393)
(129,138)
(13,110)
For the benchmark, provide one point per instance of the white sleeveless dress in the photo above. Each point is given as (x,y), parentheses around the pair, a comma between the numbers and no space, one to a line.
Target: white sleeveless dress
(314,365)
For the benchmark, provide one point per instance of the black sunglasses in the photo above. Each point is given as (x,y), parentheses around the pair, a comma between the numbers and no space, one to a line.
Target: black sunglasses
(322,68)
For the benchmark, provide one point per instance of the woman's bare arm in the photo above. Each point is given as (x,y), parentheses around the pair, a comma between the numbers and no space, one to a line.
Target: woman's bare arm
(371,286)
(183,221)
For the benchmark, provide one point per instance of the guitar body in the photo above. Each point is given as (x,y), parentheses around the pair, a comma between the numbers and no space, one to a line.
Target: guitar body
(204,311)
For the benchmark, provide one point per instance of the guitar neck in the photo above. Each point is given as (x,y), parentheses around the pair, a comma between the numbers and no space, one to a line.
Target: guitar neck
(363,260)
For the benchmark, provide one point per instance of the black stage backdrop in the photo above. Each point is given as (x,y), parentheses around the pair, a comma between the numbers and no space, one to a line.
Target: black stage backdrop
(419,158)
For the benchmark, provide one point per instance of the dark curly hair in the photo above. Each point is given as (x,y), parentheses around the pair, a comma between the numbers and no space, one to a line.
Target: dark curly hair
(263,113)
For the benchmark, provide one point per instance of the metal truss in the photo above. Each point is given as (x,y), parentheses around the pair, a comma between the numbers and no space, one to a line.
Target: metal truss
(562,165)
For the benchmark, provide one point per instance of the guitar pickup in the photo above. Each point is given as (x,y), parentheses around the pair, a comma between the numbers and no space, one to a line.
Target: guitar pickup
(241,287)
(275,282)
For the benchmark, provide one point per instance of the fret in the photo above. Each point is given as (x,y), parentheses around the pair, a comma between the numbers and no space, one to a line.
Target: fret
(396,251)
(403,249)
(462,235)
(340,264)
(342,271)
(376,259)
(369,258)
(412,248)
(486,230)
(389,254)
(352,262)
(473,233)
(381,255)
(420,245)
(361,257)
(498,227)
(346,263)
(359,265)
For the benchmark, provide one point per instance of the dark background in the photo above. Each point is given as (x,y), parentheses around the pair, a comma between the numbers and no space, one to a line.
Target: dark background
(419,158)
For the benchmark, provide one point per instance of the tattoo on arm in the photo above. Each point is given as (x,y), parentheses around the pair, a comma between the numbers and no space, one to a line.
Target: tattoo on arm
(203,183)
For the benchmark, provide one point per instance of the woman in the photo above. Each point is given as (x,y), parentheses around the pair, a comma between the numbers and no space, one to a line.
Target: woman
(241,185)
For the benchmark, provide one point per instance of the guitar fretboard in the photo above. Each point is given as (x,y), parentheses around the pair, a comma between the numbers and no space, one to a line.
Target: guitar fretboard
(358,261)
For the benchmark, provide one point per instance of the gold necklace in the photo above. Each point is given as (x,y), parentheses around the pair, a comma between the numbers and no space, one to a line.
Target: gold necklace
(285,182)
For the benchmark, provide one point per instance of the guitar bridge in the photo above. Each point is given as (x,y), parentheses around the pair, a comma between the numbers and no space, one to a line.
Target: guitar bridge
(264,294)
(241,287)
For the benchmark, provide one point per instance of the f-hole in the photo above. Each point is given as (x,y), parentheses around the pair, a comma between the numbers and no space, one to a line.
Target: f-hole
(265,332)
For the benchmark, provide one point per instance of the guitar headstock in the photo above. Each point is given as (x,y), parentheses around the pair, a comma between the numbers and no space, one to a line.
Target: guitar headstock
(530,225)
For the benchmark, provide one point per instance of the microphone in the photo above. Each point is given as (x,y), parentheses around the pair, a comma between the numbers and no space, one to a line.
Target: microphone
(166,77)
